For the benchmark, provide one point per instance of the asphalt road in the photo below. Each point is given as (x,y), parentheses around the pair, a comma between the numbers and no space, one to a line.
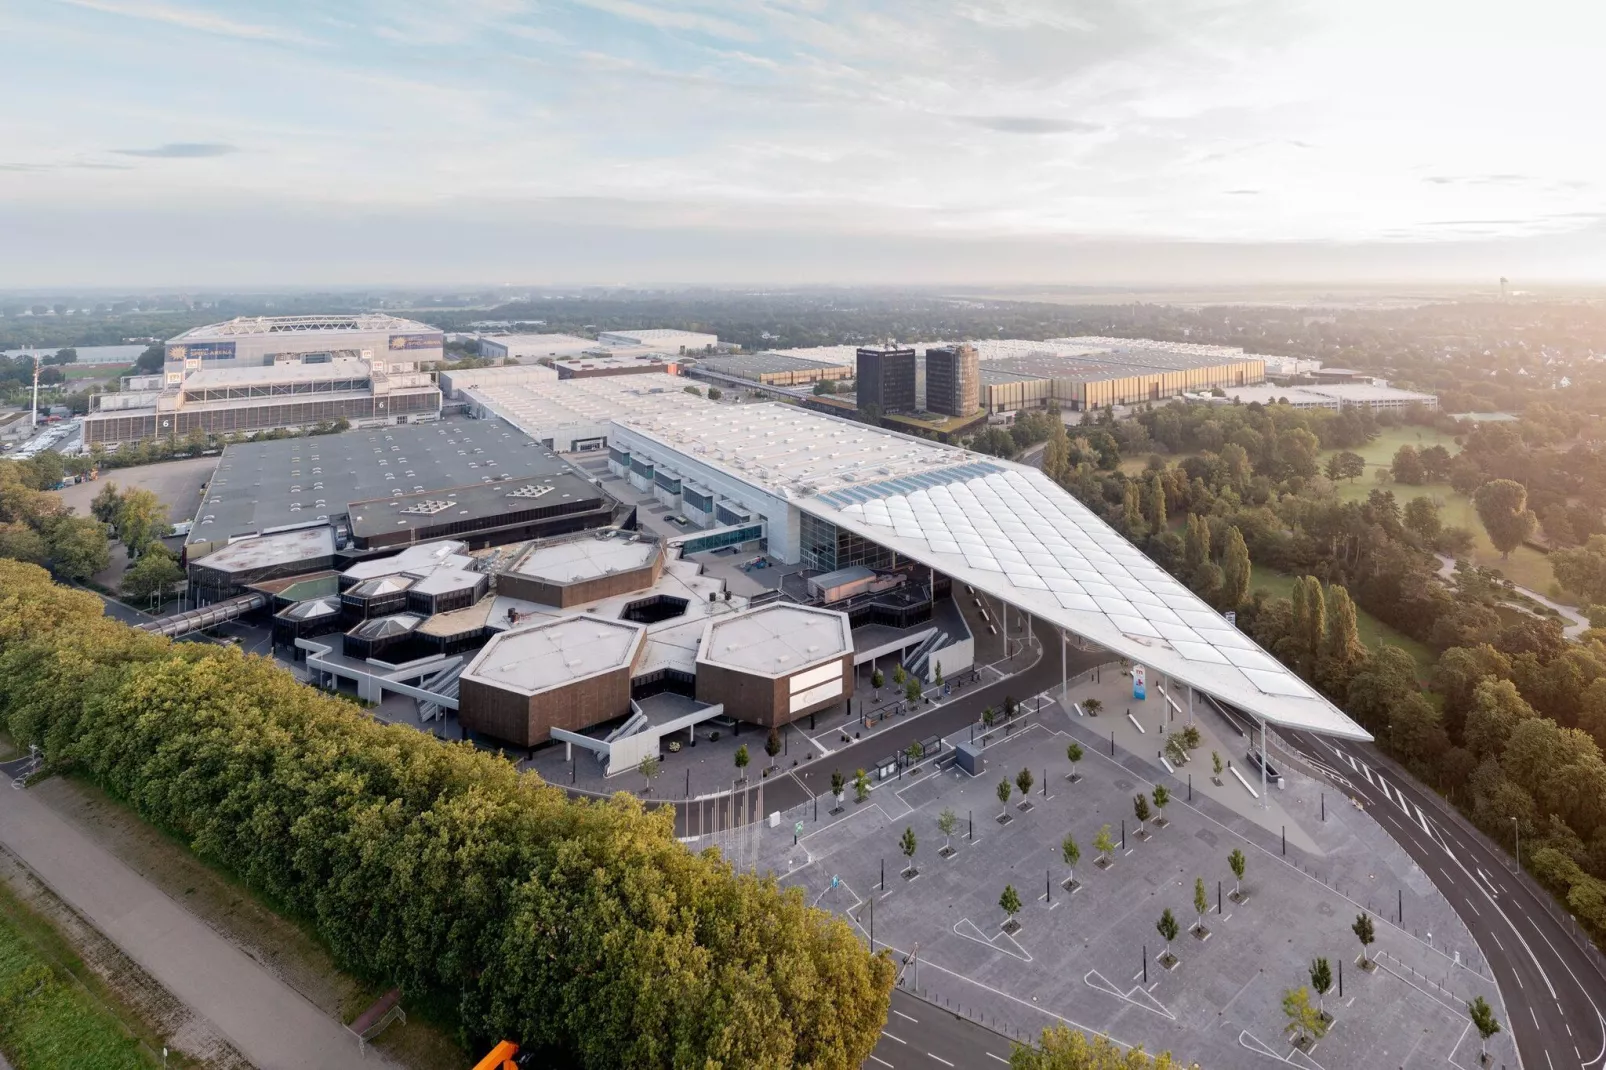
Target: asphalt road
(919,1035)
(1553,990)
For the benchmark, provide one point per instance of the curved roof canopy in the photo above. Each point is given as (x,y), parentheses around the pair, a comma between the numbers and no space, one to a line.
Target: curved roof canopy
(1015,534)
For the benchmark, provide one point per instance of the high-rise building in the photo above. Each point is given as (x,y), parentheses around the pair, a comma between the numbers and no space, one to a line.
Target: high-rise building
(953,380)
(886,378)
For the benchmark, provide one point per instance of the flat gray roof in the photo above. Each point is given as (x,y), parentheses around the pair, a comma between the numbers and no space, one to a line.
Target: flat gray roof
(260,485)
(555,653)
(777,639)
(764,363)
(278,549)
(572,560)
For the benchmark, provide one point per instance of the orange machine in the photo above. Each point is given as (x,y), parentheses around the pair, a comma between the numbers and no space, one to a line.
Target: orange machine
(500,1057)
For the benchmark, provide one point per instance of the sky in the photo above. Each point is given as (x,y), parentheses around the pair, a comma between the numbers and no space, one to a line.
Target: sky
(183,142)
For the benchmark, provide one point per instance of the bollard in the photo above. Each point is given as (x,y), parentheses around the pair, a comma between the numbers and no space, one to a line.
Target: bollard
(1123,834)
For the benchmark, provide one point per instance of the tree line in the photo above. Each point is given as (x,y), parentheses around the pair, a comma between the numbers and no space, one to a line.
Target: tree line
(581,928)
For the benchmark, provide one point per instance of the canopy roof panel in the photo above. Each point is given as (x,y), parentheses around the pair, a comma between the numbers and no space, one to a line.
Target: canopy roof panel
(1015,534)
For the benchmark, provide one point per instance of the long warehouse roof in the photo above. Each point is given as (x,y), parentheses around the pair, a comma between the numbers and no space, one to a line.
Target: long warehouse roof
(1018,536)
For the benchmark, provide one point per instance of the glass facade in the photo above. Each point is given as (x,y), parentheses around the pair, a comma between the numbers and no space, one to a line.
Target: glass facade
(641,466)
(667,482)
(726,515)
(619,456)
(717,539)
(696,499)
(825,546)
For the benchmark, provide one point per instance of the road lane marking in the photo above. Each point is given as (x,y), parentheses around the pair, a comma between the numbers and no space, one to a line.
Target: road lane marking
(1000,1058)
(889,1036)
(1367,770)
(900,1014)
(940,1059)
(880,1060)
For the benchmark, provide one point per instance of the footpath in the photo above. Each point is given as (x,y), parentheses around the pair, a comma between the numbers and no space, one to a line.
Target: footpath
(270,1023)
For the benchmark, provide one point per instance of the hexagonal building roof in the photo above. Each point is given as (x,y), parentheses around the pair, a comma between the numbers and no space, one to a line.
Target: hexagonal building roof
(555,653)
(776,640)
(585,557)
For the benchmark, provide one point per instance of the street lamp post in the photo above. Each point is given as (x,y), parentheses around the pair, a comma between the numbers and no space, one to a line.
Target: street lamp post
(1518,830)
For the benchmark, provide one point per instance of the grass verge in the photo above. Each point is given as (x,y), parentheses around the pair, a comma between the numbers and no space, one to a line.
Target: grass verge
(1373,632)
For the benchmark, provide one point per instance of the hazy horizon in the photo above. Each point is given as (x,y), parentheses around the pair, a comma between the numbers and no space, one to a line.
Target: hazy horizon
(172,143)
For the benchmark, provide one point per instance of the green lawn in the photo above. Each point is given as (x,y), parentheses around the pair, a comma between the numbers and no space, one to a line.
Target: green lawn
(96,371)
(47,1022)
(1373,632)
(1381,450)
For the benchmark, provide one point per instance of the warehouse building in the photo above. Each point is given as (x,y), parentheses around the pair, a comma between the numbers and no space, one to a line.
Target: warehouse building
(1333,396)
(673,343)
(574,415)
(775,369)
(268,373)
(531,348)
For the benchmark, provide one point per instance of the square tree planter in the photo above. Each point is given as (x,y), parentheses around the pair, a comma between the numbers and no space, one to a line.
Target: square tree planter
(946,852)
(1004,819)
(1071,885)
(1170,961)
(1011,927)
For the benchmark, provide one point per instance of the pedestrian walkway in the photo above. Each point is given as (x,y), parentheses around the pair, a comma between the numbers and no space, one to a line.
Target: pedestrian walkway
(274,1026)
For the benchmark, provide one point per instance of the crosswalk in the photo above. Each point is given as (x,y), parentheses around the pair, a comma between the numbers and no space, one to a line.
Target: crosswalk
(1394,795)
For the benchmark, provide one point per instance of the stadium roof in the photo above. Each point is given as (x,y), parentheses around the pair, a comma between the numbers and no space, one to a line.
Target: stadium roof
(1018,536)
(249,325)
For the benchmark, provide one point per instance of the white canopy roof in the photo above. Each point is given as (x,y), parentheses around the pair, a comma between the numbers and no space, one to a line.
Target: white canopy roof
(1015,534)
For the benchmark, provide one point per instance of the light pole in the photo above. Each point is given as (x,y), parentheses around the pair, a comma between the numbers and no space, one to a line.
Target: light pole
(1518,830)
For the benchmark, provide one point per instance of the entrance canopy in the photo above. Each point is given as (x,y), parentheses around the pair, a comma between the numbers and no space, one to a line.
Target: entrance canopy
(1012,532)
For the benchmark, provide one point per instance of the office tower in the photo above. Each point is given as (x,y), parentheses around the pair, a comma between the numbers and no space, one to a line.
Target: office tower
(886,378)
(953,375)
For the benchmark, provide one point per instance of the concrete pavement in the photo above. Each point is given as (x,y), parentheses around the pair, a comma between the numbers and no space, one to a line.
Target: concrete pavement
(274,1026)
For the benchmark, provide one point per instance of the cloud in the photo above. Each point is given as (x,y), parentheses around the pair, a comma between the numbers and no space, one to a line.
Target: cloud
(1029,124)
(181,150)
(201,21)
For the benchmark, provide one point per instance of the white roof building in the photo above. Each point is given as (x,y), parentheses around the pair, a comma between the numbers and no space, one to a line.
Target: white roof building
(661,340)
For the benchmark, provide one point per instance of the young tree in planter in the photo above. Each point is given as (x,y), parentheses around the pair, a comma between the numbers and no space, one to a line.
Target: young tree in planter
(1161,797)
(1023,781)
(1236,862)
(1010,706)
(877,681)
(947,821)
(1072,855)
(1092,706)
(1009,903)
(772,745)
(1191,737)
(861,786)
(1365,934)
(1167,928)
(1201,902)
(1321,979)
(1175,750)
(741,759)
(1216,766)
(898,676)
(988,718)
(838,781)
(911,689)
(1484,1021)
(907,845)
(1140,810)
(1104,845)
(915,752)
(1073,753)
(1304,1021)
(937,678)
(648,769)
(1004,791)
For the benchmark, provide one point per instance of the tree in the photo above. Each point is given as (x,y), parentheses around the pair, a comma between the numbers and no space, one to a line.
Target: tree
(19,542)
(1103,844)
(915,752)
(741,759)
(907,845)
(1502,505)
(936,678)
(1310,623)
(1321,979)
(838,781)
(877,681)
(1167,928)
(1365,934)
(648,768)
(1341,648)
(715,393)
(1073,754)
(1345,465)
(1201,901)
(1236,572)
(693,391)
(1484,1021)
(1024,781)
(824,386)
(1132,513)
(1215,764)
(898,676)
(1407,467)
(1004,792)
(1158,515)
(988,718)
(861,786)
(1140,809)
(1092,706)
(1063,1049)
(1237,863)
(141,520)
(1422,516)
(1162,795)
(150,575)
(1009,903)
(106,504)
(77,546)
(772,745)
(1304,1021)
(1582,569)
(911,689)
(1196,544)
(947,821)
(1071,853)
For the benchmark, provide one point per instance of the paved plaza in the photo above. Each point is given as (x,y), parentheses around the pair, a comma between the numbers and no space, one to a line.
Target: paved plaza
(1079,957)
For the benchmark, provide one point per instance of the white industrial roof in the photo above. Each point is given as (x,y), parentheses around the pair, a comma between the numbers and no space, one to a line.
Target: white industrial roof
(555,653)
(276,374)
(585,558)
(541,407)
(280,548)
(415,557)
(248,325)
(659,337)
(1018,536)
(776,640)
(541,345)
